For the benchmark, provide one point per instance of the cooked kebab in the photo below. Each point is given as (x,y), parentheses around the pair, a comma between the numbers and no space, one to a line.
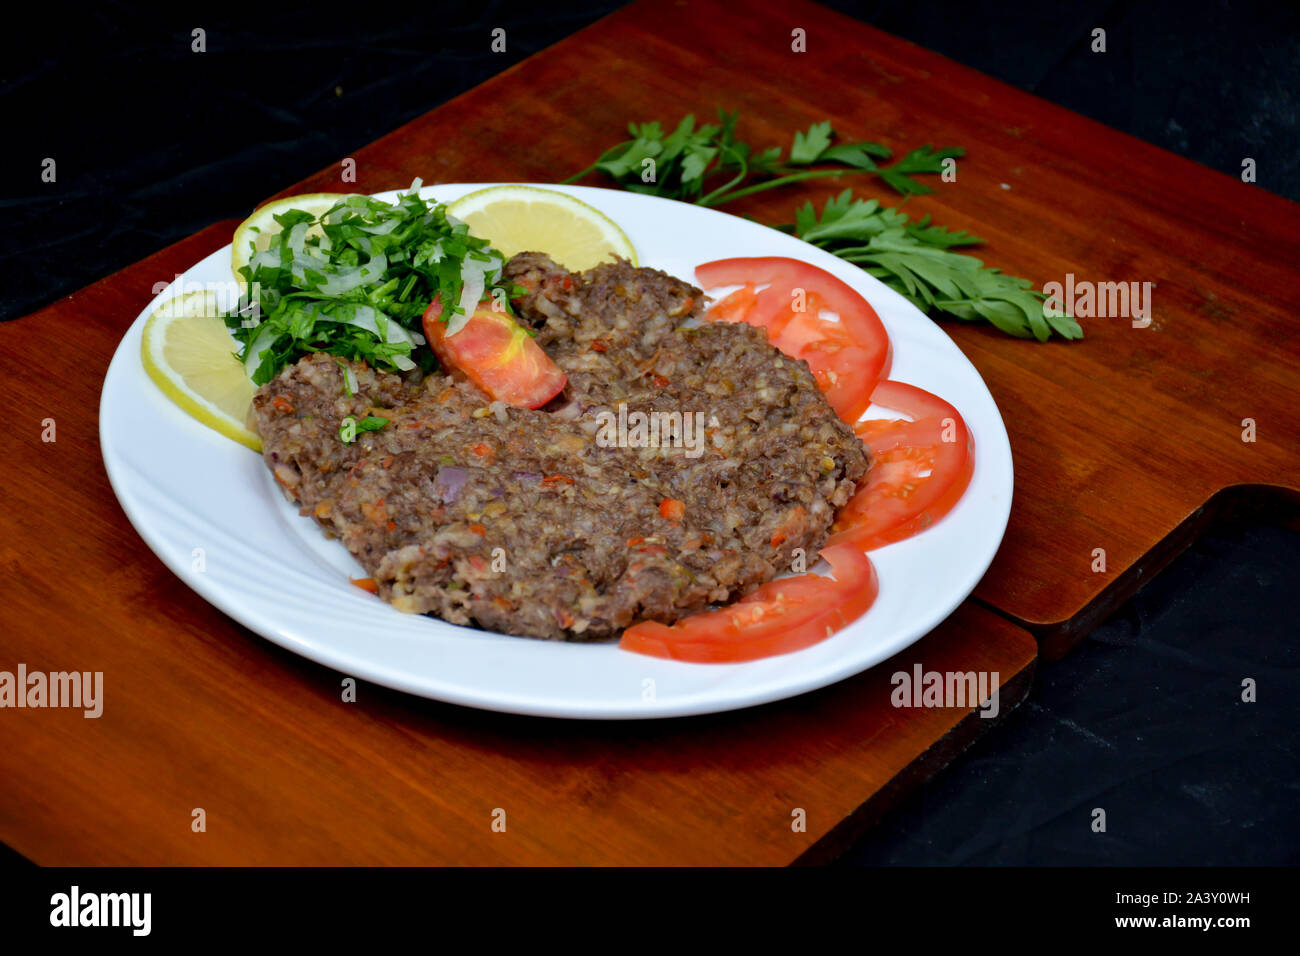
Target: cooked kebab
(533,522)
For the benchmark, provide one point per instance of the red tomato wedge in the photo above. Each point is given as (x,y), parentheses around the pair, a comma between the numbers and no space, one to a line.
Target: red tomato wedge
(781,616)
(848,358)
(837,361)
(919,469)
(763,308)
(734,307)
(495,353)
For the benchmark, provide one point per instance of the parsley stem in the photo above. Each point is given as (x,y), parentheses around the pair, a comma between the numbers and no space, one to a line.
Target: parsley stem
(603,157)
(576,176)
(714,200)
(735,180)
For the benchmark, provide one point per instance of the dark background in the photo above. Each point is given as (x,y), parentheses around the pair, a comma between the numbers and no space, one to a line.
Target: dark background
(154,142)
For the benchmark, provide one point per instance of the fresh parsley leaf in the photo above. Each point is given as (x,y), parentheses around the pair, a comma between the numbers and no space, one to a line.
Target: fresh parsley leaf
(915,260)
(689,163)
(808,147)
(926,159)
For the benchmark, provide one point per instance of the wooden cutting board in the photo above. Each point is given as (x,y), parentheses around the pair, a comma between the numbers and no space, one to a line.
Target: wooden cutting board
(199,713)
(1118,439)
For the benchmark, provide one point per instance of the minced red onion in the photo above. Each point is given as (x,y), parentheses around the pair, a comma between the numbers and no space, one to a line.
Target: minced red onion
(450,482)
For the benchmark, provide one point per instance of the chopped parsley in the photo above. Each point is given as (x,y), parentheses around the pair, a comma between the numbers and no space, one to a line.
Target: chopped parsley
(358,285)
(350,427)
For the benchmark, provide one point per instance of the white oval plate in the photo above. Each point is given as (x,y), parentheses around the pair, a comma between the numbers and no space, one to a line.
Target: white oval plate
(209,509)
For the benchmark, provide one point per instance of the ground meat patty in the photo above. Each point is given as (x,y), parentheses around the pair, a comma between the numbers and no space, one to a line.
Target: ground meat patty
(545,522)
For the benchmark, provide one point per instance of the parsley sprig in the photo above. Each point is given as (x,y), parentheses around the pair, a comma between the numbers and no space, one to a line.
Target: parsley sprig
(914,258)
(356,281)
(690,163)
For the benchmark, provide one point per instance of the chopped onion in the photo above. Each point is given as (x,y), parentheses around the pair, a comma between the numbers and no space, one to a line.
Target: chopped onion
(266,257)
(297,238)
(450,482)
(372,321)
(381,229)
(570,411)
(473,273)
(262,341)
(341,281)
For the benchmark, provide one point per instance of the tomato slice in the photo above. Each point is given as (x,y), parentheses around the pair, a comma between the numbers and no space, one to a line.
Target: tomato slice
(735,306)
(758,270)
(848,358)
(919,469)
(495,353)
(837,361)
(781,616)
(765,309)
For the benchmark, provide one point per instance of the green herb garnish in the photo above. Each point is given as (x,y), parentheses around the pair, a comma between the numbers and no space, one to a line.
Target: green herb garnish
(350,427)
(678,165)
(359,287)
(913,258)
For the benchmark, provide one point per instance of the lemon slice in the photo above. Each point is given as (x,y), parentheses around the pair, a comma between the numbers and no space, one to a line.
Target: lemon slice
(256,232)
(527,219)
(188,351)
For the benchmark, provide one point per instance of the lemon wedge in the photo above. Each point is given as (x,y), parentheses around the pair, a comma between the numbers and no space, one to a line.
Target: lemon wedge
(256,232)
(189,353)
(528,219)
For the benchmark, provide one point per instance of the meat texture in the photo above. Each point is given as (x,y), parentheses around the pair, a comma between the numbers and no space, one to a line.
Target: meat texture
(564,522)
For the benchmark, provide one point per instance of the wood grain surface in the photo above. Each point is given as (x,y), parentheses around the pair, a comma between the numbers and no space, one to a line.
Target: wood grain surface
(199,713)
(1118,439)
